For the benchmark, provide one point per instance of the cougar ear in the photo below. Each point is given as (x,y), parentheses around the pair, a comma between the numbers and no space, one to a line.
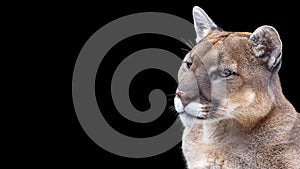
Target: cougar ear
(202,23)
(267,45)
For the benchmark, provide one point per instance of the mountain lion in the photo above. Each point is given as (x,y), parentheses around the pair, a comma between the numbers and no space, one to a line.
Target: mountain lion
(230,101)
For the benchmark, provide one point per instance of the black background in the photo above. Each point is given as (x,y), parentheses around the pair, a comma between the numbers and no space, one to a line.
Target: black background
(63,28)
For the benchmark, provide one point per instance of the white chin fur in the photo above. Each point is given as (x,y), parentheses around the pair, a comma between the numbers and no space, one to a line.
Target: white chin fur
(187,120)
(188,113)
(178,105)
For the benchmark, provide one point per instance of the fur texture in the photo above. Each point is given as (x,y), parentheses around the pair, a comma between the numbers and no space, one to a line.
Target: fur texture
(230,101)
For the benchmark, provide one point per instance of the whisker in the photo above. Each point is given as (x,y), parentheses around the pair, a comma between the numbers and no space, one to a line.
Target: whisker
(191,43)
(187,43)
(172,110)
(169,95)
(185,49)
(178,122)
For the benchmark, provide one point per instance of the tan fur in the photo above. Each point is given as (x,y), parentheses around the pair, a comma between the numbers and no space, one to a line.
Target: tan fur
(261,129)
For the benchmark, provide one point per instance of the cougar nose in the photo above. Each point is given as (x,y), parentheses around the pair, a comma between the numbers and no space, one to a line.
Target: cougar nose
(184,97)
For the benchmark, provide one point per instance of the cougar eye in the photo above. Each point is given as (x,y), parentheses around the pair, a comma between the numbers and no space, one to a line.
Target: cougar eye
(226,73)
(188,64)
(188,61)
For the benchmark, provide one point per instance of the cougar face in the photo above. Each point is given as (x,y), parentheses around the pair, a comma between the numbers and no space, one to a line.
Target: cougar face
(230,100)
(219,77)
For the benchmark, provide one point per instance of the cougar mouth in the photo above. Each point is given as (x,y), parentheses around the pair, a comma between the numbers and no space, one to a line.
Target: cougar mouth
(200,117)
(195,112)
(198,111)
